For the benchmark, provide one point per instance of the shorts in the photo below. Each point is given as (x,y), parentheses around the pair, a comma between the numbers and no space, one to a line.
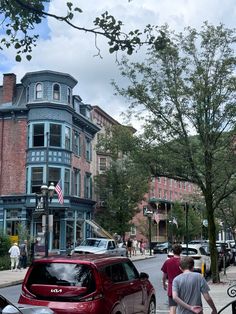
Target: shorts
(172,302)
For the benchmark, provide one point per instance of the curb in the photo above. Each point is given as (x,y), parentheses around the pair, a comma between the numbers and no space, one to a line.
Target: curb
(12,283)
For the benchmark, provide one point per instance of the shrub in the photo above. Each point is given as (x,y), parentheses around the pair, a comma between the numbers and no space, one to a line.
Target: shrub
(5,244)
(5,262)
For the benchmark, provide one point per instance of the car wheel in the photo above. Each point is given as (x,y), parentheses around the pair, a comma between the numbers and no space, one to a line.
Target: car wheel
(152,307)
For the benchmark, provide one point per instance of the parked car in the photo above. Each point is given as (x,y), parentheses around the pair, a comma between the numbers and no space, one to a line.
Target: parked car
(88,284)
(202,260)
(99,246)
(233,250)
(161,248)
(6,307)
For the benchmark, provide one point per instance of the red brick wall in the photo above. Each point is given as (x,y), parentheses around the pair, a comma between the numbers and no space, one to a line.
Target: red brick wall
(13,140)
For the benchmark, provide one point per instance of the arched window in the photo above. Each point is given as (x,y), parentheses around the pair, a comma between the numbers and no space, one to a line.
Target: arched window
(56,91)
(39,91)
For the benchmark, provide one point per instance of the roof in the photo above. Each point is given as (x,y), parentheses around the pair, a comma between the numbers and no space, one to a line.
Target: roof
(95,259)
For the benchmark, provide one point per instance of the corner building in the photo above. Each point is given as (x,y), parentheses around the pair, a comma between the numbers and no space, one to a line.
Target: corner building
(46,134)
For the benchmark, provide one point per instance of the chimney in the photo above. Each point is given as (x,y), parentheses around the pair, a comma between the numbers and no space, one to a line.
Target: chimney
(9,87)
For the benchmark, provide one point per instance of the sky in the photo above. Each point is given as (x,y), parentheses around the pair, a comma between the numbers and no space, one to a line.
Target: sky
(61,48)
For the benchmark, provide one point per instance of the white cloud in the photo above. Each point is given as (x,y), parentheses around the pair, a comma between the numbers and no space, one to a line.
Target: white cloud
(71,51)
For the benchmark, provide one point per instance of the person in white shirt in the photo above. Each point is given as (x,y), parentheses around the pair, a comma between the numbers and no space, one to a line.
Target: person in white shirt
(14,256)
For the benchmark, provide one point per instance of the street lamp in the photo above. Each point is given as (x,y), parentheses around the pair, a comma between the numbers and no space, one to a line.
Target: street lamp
(47,194)
(149,214)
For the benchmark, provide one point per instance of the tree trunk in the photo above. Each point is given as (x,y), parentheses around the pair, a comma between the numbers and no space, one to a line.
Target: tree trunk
(212,240)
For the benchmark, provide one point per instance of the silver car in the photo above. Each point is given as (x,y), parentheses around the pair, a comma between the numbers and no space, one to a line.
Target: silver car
(6,307)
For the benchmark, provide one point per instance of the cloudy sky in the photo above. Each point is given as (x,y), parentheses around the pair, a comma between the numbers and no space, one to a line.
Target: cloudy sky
(61,48)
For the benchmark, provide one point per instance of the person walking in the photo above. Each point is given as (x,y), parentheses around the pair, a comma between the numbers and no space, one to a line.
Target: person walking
(23,254)
(188,288)
(14,252)
(170,270)
(134,246)
(129,246)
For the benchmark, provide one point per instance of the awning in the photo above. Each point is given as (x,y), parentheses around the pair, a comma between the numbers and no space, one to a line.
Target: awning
(98,230)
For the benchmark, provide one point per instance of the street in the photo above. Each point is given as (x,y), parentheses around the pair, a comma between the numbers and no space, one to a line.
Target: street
(151,266)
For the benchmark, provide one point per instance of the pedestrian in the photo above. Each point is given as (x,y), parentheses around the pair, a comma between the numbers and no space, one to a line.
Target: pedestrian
(129,247)
(141,247)
(170,270)
(134,246)
(23,254)
(188,288)
(14,252)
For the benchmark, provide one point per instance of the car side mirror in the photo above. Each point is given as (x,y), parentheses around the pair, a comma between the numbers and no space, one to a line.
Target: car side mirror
(143,275)
(10,309)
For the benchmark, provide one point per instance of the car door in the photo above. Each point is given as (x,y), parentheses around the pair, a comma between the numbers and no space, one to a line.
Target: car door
(137,287)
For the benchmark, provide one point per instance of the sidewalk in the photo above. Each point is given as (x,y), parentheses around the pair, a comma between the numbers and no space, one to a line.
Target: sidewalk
(218,291)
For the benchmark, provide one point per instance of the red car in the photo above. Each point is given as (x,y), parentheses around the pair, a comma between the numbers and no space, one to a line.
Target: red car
(88,284)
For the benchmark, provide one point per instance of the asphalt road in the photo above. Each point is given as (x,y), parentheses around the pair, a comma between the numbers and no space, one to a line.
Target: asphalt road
(151,266)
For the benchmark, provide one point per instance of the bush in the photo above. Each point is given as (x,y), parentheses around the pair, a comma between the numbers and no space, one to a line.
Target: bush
(5,262)
(5,244)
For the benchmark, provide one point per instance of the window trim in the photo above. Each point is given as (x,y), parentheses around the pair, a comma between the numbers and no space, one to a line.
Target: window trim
(59,92)
(38,91)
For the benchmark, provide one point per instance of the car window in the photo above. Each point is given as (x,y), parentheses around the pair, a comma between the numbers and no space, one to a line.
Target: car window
(202,251)
(116,273)
(62,274)
(131,271)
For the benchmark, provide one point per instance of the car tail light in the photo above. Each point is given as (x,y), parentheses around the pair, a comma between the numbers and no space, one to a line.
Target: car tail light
(96,296)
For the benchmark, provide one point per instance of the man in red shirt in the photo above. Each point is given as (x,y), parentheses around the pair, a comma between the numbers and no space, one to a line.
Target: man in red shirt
(170,270)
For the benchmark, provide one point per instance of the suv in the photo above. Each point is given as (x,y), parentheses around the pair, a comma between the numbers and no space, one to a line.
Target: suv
(88,284)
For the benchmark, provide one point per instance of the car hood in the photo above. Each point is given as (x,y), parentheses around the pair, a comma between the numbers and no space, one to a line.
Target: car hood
(33,309)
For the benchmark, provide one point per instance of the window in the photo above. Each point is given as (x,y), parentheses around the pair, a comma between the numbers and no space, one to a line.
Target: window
(159,193)
(67,138)
(76,143)
(88,186)
(69,95)
(36,179)
(67,182)
(133,230)
(39,91)
(102,164)
(130,271)
(38,135)
(88,150)
(116,273)
(54,175)
(76,182)
(56,92)
(27,94)
(55,135)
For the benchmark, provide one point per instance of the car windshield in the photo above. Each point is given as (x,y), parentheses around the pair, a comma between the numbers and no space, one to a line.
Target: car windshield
(190,251)
(94,242)
(63,274)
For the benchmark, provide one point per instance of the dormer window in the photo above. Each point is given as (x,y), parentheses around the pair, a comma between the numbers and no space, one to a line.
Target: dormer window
(69,95)
(39,91)
(56,91)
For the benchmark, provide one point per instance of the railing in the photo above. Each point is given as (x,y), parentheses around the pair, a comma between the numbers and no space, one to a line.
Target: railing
(231,291)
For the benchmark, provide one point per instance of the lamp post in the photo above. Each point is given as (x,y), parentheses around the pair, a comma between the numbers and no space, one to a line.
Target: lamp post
(47,194)
(149,214)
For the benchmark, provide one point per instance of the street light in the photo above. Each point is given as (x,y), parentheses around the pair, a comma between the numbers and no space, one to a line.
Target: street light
(149,214)
(47,194)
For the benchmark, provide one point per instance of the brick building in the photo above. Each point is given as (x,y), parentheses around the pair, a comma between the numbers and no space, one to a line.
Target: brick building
(46,134)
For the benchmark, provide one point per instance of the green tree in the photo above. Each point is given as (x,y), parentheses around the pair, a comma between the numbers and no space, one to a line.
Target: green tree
(177,223)
(123,185)
(187,92)
(20,19)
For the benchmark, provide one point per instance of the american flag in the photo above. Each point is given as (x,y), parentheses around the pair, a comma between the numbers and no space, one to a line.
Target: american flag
(58,189)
